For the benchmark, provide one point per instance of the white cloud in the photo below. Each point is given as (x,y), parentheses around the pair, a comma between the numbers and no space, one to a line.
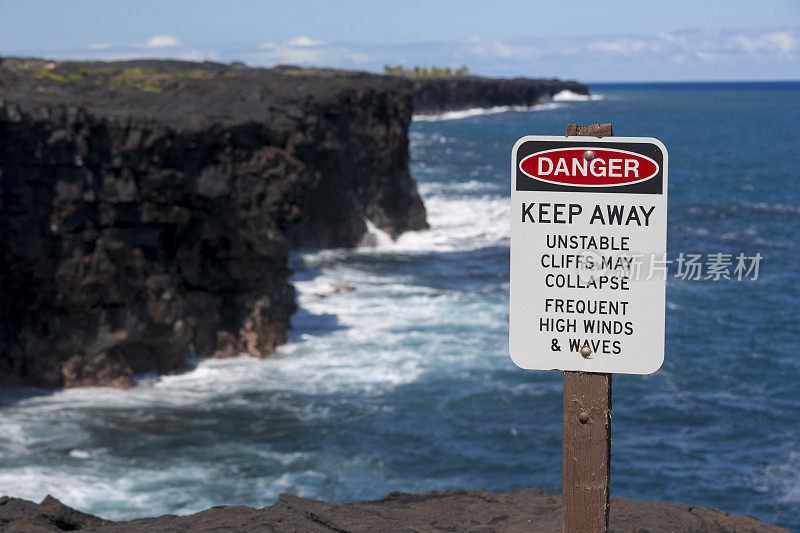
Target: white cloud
(308,52)
(496,48)
(780,43)
(618,46)
(750,53)
(162,41)
(707,57)
(274,53)
(692,54)
(744,44)
(191,54)
(783,41)
(304,41)
(359,58)
(615,47)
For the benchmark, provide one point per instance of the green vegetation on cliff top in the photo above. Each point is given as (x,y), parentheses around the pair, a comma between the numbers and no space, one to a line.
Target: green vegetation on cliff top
(425,72)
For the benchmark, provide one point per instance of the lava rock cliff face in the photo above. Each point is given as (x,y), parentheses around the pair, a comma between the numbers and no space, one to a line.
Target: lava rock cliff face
(463,92)
(147,207)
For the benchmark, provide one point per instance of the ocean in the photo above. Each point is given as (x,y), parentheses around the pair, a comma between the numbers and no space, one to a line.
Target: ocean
(405,383)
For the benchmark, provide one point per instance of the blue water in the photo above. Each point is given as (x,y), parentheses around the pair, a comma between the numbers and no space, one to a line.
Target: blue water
(405,383)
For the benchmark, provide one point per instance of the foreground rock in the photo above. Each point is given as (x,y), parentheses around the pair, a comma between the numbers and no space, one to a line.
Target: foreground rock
(437,95)
(146,207)
(529,509)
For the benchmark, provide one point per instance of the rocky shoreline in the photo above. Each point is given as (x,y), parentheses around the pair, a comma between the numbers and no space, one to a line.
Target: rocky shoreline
(528,509)
(147,207)
(435,96)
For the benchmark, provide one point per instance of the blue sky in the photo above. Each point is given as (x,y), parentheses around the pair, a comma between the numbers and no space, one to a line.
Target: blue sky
(601,40)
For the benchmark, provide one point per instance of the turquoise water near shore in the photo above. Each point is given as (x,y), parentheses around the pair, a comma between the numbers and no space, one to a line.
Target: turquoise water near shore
(405,383)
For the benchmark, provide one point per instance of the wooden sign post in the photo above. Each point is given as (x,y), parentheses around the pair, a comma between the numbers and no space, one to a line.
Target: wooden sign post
(586,445)
(586,452)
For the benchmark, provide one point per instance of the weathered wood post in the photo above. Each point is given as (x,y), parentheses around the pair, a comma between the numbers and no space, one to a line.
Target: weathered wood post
(586,445)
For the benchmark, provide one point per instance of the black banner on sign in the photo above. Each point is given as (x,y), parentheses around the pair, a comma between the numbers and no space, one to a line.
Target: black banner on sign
(618,167)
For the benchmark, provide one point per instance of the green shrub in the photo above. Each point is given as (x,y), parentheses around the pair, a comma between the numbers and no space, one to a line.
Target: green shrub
(43,74)
(424,73)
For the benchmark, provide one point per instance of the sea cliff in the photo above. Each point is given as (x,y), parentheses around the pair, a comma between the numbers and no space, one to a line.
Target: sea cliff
(437,95)
(148,206)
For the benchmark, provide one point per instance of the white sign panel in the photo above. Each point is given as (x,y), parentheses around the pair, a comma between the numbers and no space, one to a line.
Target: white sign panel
(588,250)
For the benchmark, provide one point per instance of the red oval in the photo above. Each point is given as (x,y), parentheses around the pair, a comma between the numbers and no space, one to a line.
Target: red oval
(604,167)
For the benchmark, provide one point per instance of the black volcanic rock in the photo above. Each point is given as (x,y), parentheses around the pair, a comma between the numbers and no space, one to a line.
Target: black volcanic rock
(520,510)
(146,207)
(436,95)
(17,515)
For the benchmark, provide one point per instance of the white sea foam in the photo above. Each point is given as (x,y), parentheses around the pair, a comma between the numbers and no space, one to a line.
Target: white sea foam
(314,364)
(454,188)
(479,111)
(777,208)
(375,237)
(555,102)
(367,342)
(783,478)
(79,453)
(459,224)
(465,223)
(569,96)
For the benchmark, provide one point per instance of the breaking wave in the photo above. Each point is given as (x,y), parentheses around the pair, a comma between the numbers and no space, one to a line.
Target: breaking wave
(454,227)
(480,111)
(555,102)
(569,96)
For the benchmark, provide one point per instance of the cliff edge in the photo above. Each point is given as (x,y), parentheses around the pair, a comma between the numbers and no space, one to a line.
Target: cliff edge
(147,207)
(521,510)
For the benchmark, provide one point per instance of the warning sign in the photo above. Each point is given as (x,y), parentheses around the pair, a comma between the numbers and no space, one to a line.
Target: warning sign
(588,253)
